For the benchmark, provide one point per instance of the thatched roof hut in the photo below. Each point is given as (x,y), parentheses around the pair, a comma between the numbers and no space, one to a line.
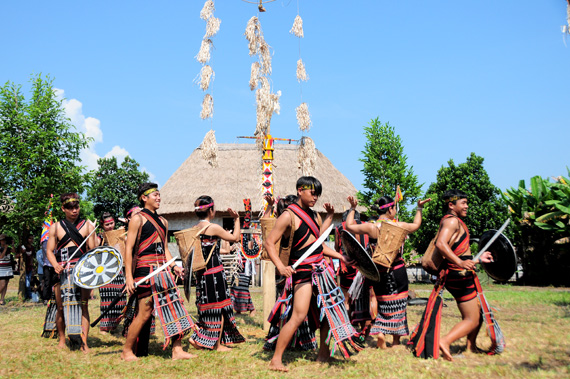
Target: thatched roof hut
(238,176)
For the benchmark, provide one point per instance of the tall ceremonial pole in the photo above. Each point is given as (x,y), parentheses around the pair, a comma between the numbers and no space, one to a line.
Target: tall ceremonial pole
(268,285)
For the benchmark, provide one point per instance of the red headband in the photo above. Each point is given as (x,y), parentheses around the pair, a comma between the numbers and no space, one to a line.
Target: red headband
(386,205)
(200,207)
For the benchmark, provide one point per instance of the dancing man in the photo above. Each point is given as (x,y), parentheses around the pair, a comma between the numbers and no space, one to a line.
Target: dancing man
(459,278)
(71,301)
(313,273)
(146,250)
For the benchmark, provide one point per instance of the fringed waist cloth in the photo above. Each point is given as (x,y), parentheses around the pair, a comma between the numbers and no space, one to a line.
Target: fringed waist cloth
(71,301)
(392,296)
(108,293)
(424,340)
(169,307)
(50,328)
(214,305)
(330,300)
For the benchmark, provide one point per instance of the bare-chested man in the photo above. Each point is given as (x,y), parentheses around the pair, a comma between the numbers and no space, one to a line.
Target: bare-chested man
(72,301)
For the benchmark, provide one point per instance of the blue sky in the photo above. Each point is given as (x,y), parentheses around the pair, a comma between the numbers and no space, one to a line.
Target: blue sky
(452,77)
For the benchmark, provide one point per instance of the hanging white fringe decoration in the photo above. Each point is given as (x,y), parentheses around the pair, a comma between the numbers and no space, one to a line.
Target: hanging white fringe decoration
(210,149)
(303,117)
(253,34)
(297,28)
(212,27)
(207,10)
(307,156)
(207,107)
(206,76)
(276,107)
(301,73)
(204,53)
(265,57)
(254,78)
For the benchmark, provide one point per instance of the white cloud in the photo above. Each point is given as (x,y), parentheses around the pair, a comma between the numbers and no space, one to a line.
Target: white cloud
(118,152)
(92,128)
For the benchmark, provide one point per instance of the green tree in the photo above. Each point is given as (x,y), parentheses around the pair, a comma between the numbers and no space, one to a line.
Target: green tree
(487,210)
(386,167)
(39,152)
(112,187)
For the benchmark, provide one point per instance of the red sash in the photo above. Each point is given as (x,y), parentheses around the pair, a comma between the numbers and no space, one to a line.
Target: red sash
(304,216)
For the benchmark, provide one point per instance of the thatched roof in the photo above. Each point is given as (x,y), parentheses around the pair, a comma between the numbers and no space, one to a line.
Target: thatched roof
(238,177)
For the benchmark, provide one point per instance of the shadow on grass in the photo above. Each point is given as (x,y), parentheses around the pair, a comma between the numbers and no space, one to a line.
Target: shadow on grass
(247,320)
(306,357)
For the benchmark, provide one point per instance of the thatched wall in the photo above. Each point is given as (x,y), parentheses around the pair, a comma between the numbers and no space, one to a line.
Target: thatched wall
(238,176)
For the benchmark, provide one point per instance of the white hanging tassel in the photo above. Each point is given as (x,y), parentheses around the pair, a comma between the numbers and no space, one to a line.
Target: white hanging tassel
(275,106)
(210,149)
(303,117)
(207,107)
(356,286)
(301,73)
(254,78)
(212,27)
(265,57)
(204,53)
(297,28)
(252,34)
(307,156)
(207,10)
(206,76)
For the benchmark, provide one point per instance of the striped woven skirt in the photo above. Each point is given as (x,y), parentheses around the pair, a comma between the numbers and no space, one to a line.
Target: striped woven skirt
(50,328)
(108,293)
(392,295)
(169,307)
(241,298)
(214,305)
(6,271)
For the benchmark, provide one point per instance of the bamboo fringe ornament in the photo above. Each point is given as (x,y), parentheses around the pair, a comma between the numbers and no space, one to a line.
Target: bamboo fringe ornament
(212,27)
(253,34)
(297,28)
(307,156)
(207,107)
(207,10)
(210,149)
(303,117)
(206,76)
(254,79)
(265,57)
(204,53)
(301,73)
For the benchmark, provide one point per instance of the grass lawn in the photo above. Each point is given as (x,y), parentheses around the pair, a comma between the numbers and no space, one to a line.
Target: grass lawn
(535,321)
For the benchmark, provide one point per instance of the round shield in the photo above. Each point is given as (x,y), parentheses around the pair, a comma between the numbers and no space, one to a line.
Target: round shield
(356,252)
(98,267)
(504,263)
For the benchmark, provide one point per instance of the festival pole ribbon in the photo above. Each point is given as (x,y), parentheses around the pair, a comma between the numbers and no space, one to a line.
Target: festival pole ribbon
(48,221)
(398,198)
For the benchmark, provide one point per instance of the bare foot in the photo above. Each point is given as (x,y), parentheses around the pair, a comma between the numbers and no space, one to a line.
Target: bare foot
(182,355)
(381,343)
(85,349)
(223,348)
(445,351)
(194,344)
(129,357)
(61,344)
(103,332)
(252,313)
(277,366)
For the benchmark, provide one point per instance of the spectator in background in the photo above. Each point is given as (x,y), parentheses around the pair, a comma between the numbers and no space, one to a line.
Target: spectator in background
(6,271)
(49,276)
(27,269)
(40,271)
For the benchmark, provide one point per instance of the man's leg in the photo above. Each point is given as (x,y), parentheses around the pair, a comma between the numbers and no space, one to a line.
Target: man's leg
(85,296)
(470,317)
(59,320)
(29,285)
(145,307)
(48,274)
(324,351)
(301,304)
(3,288)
